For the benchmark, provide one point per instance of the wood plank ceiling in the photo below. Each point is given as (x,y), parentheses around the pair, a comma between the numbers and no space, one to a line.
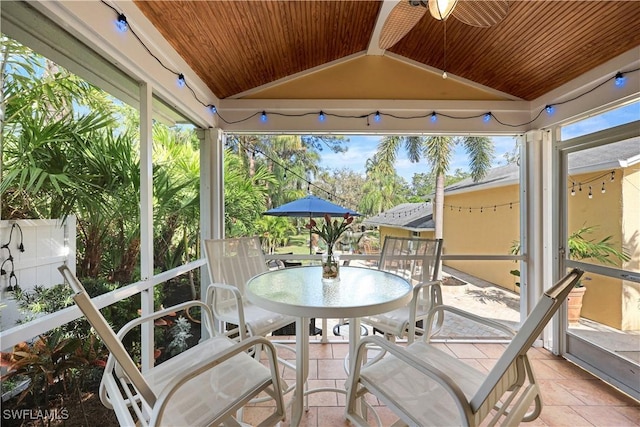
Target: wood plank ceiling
(236,46)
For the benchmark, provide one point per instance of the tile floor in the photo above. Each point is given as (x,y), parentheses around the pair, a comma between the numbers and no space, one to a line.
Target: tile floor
(571,396)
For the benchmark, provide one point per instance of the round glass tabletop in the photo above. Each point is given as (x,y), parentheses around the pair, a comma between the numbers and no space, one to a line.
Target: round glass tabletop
(300,291)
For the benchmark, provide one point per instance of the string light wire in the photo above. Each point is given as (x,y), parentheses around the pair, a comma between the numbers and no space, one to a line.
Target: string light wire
(620,76)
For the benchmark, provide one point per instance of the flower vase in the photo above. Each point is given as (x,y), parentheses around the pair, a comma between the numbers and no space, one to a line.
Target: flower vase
(330,267)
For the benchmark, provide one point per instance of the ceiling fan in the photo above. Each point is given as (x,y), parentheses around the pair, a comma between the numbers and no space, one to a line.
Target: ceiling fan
(406,14)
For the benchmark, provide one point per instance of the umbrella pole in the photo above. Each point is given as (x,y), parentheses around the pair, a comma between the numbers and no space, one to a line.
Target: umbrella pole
(310,242)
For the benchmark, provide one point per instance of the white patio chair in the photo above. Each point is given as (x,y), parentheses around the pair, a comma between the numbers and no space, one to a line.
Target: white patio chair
(204,385)
(417,260)
(427,386)
(231,263)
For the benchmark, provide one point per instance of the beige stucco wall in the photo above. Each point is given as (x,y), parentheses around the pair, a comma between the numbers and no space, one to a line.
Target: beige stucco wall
(491,231)
(631,243)
(398,232)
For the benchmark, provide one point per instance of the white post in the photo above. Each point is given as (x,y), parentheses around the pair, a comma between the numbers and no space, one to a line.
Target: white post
(532,219)
(211,194)
(146,219)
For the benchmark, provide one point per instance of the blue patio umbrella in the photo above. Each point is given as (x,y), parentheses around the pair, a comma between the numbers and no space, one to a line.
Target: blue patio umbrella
(312,207)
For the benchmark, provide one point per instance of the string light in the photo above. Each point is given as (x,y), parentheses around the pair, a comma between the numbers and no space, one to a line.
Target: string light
(181,80)
(597,178)
(619,79)
(434,117)
(263,117)
(121,23)
(321,116)
(212,109)
(287,171)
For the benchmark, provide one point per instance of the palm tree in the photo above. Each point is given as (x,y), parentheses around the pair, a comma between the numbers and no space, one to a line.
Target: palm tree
(438,150)
(383,188)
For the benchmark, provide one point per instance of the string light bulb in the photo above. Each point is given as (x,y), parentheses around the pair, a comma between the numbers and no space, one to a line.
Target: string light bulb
(121,23)
(620,79)
(263,117)
(590,193)
(321,116)
(441,8)
(181,80)
(550,109)
(573,188)
(376,117)
(434,117)
(212,108)
(603,189)
(486,118)
(613,175)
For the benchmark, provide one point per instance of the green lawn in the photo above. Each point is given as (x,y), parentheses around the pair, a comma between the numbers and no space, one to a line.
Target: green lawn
(298,244)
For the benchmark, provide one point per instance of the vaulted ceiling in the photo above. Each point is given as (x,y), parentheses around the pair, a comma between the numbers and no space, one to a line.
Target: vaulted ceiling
(329,49)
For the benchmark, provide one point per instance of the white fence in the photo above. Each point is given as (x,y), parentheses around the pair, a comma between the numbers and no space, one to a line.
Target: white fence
(30,252)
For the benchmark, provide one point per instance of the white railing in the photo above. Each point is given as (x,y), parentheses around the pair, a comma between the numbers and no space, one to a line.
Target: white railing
(45,323)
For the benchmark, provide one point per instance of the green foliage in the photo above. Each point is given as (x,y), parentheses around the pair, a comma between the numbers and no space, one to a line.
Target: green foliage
(603,250)
(580,247)
(180,333)
(49,361)
(274,231)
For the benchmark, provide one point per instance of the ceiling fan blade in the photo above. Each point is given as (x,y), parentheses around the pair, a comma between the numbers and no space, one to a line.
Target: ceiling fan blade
(401,20)
(483,13)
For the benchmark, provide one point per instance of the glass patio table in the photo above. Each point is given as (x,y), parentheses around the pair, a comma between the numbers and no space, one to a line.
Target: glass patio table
(301,292)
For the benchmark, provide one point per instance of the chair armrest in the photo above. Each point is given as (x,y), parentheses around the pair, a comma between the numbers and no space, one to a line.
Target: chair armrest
(212,287)
(239,304)
(207,317)
(421,285)
(413,305)
(470,316)
(414,362)
(241,347)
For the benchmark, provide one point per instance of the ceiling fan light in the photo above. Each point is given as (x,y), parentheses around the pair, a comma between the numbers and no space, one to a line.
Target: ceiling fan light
(441,9)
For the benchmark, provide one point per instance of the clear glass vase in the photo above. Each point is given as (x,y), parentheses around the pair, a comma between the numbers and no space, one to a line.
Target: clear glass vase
(330,267)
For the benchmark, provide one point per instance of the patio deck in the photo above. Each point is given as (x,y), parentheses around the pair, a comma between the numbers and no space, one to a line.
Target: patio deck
(571,396)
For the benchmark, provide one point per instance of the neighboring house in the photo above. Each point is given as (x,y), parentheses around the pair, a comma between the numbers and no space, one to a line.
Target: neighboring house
(405,220)
(482,218)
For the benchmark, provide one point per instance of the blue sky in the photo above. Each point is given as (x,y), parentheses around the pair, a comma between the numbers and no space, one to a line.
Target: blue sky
(363,147)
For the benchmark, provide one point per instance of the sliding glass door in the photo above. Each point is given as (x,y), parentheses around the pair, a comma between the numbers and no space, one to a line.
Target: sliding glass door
(599,211)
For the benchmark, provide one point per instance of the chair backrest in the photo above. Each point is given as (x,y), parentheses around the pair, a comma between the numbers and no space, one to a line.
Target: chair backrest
(411,257)
(532,327)
(234,261)
(107,335)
